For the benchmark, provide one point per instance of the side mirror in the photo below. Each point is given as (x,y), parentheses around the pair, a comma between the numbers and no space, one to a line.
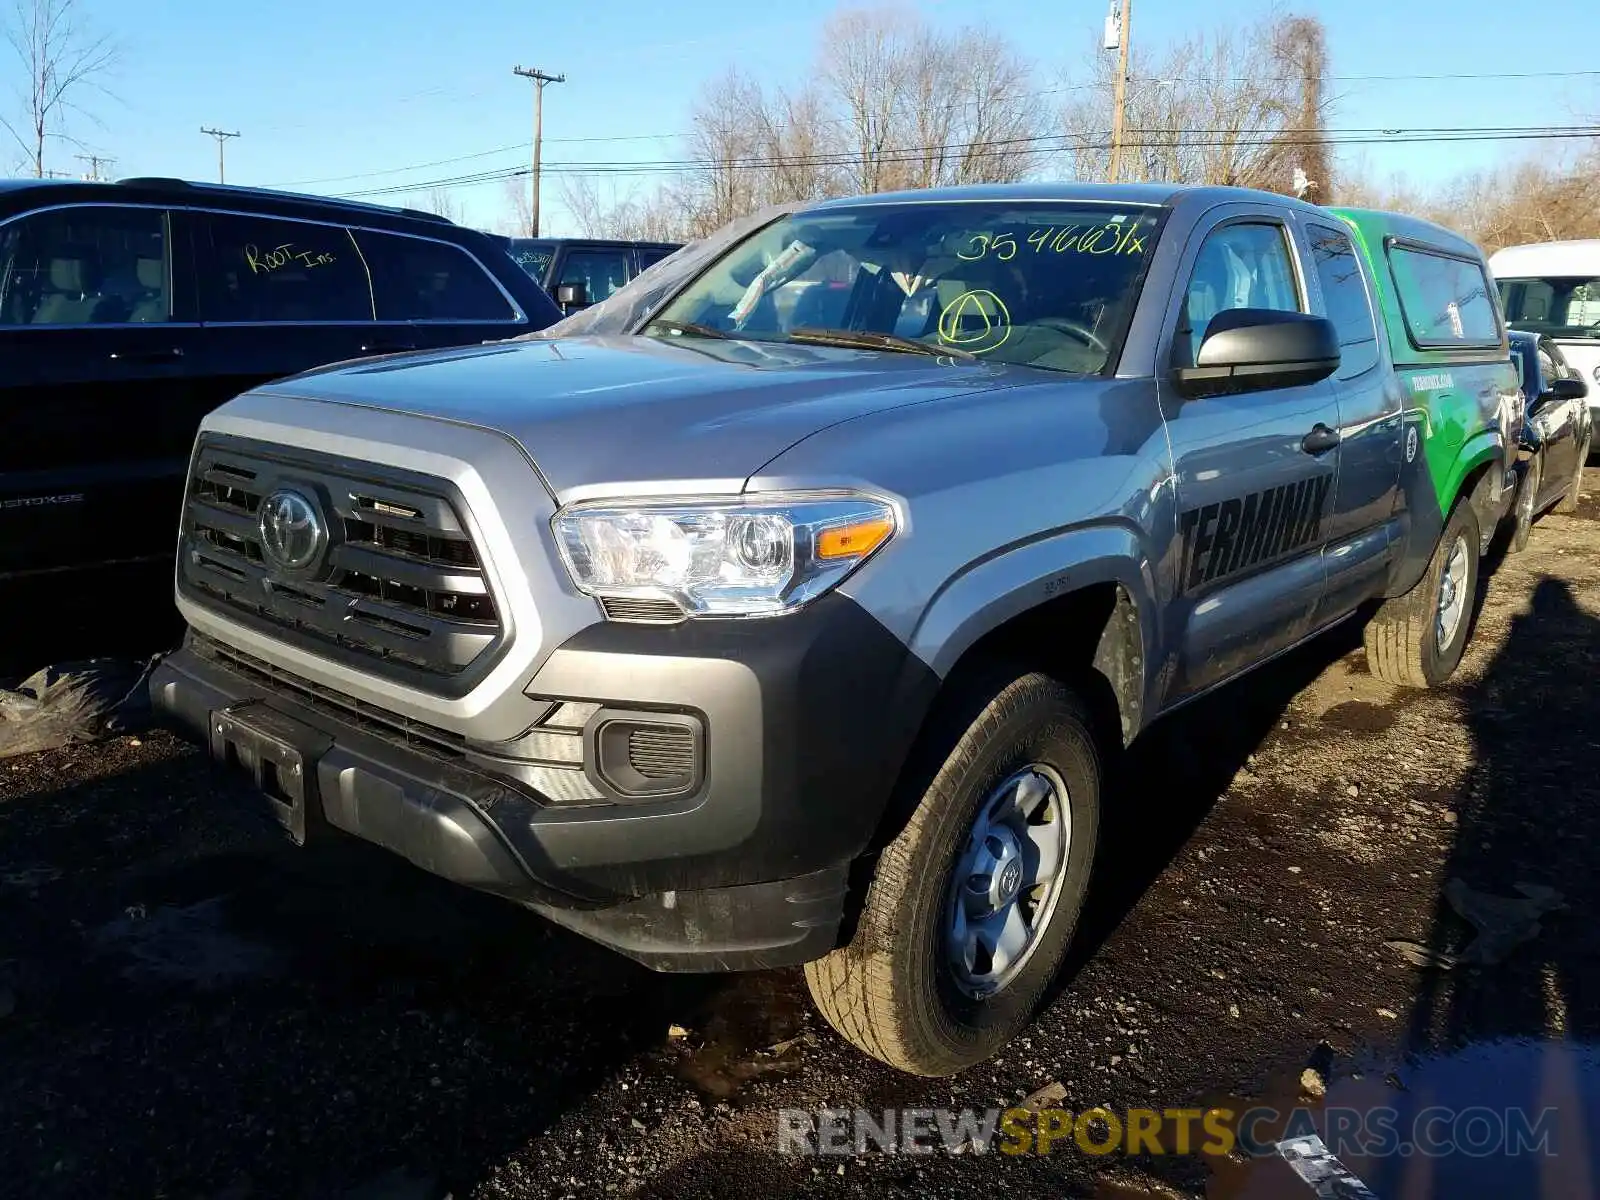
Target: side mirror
(1567,389)
(572,295)
(1254,349)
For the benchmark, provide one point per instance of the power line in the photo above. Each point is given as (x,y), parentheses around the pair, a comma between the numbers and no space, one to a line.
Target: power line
(1137,139)
(1132,80)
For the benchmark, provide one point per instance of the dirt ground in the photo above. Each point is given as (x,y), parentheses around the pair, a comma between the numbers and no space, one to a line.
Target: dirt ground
(190,1008)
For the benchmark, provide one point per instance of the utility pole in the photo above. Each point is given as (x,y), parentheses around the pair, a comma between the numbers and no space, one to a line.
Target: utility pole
(1119,102)
(539,80)
(222,138)
(94,161)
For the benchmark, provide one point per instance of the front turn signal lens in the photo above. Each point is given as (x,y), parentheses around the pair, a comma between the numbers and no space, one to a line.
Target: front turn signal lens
(856,540)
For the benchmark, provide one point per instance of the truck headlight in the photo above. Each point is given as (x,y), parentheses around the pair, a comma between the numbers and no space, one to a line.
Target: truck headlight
(738,556)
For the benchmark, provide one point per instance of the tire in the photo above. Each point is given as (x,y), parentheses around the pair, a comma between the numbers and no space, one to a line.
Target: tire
(897,990)
(1569,502)
(1403,645)
(1527,500)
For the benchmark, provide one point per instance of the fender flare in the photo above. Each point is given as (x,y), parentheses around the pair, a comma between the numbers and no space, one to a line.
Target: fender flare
(1484,446)
(989,592)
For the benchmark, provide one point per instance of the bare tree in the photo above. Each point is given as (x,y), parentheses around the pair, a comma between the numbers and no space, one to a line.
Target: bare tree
(889,102)
(61,61)
(1238,106)
(1300,45)
(442,202)
(520,221)
(866,63)
(652,218)
(1533,200)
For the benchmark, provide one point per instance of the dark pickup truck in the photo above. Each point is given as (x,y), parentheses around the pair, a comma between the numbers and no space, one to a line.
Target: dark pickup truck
(579,272)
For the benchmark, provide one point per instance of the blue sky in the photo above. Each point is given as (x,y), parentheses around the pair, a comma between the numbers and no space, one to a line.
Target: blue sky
(324,89)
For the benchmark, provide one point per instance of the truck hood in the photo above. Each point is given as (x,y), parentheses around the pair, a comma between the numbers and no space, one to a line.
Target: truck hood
(645,413)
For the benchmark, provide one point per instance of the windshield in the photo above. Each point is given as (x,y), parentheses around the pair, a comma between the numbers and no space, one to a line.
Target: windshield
(533,257)
(1046,285)
(1562,305)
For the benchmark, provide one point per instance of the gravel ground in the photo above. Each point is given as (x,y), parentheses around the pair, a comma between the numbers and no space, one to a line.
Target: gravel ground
(191,1008)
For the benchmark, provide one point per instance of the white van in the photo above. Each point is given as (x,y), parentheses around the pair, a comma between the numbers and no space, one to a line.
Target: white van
(1554,288)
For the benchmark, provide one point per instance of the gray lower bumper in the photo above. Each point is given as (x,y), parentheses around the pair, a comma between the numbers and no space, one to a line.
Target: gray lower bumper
(466,827)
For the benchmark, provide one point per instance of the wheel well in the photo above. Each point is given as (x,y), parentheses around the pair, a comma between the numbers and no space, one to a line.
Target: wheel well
(1089,638)
(1474,490)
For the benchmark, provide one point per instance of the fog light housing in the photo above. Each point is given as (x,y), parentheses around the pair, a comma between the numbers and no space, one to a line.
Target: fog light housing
(648,755)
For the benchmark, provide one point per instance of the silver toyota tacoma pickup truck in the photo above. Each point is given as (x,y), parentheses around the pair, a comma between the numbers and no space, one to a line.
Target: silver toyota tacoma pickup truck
(796,620)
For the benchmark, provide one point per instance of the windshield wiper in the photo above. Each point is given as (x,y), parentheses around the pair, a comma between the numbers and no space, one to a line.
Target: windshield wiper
(868,339)
(688,327)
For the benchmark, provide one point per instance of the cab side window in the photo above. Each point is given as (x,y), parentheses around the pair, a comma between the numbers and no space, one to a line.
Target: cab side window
(1344,295)
(268,270)
(417,279)
(94,265)
(1239,266)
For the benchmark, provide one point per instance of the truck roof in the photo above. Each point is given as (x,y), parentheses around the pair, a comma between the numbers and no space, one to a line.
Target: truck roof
(1579,258)
(1376,225)
(1150,194)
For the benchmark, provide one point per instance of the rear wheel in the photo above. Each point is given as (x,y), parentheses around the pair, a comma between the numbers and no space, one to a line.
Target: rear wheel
(972,906)
(1416,640)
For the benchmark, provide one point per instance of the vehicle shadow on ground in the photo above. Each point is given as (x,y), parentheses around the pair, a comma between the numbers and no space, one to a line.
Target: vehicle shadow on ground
(1166,783)
(181,993)
(1502,1017)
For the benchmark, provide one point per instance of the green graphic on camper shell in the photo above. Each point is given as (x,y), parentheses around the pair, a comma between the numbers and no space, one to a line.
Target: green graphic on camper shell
(1456,398)
(1441,418)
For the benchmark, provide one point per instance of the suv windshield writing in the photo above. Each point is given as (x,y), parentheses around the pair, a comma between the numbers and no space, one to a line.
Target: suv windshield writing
(1045,285)
(1565,305)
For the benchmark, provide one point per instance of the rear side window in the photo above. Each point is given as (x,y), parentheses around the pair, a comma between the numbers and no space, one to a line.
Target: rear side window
(1344,294)
(263,269)
(1445,300)
(94,265)
(418,279)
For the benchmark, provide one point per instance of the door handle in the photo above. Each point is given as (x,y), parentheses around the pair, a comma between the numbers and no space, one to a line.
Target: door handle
(1320,440)
(148,356)
(386,347)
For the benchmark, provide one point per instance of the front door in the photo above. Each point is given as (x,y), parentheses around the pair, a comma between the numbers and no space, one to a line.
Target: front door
(97,346)
(1255,473)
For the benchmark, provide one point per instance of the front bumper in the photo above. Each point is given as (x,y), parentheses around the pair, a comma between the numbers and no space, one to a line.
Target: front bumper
(804,722)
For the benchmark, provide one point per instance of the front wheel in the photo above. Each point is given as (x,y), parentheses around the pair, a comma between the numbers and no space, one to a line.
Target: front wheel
(1417,639)
(972,906)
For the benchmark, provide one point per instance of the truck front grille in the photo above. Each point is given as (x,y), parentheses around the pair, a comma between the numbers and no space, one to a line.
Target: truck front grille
(398,589)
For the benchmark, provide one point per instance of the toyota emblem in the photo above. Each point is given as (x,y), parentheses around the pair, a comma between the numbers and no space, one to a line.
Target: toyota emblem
(292,533)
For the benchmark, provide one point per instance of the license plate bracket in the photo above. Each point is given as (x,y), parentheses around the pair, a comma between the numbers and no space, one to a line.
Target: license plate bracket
(279,754)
